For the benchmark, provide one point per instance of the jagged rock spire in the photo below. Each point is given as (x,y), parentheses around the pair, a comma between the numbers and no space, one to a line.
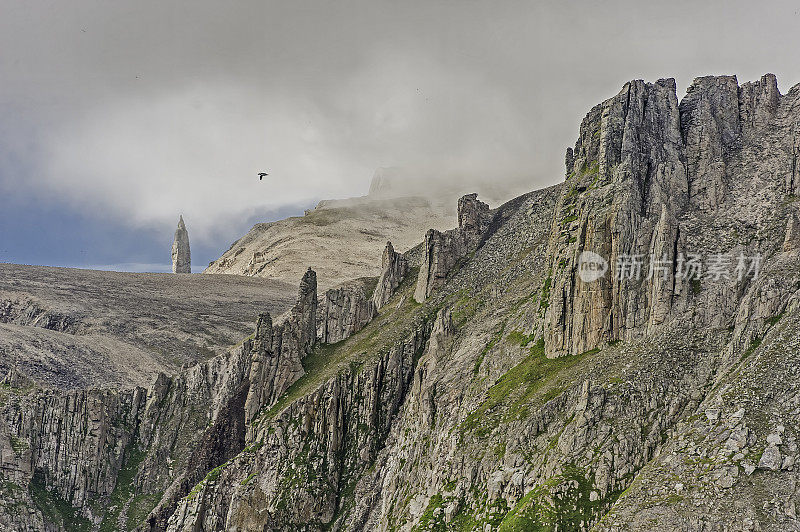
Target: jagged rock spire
(394,268)
(305,310)
(473,215)
(277,349)
(181,255)
(443,250)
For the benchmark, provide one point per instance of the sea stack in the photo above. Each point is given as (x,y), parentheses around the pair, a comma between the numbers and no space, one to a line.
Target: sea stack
(181,256)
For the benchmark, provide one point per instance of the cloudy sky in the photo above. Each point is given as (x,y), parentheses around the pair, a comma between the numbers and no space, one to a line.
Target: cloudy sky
(115,117)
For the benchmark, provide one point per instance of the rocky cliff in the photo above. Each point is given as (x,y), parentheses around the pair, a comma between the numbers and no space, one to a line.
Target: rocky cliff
(616,352)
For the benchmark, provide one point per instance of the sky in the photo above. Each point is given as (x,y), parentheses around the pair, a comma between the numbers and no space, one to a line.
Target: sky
(117,117)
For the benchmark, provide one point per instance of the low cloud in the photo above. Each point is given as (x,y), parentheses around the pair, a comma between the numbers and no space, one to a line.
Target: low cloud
(137,112)
(196,149)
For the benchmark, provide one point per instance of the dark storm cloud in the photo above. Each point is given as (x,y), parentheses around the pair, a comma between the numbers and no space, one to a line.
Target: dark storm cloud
(141,110)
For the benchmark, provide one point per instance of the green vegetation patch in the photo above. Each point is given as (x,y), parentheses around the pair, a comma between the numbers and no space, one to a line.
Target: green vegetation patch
(754,343)
(55,509)
(696,286)
(513,393)
(431,518)
(520,338)
(775,319)
(561,503)
(18,445)
(123,491)
(140,508)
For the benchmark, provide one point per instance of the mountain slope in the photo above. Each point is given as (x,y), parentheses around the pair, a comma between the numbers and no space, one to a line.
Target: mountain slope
(340,241)
(498,387)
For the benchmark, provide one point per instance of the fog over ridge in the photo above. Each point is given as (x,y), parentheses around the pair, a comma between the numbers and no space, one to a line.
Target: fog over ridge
(131,114)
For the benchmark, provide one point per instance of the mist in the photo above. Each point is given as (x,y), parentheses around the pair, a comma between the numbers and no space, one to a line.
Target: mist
(133,113)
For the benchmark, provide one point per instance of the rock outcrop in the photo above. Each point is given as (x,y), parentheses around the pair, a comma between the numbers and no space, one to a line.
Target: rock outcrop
(791,241)
(443,250)
(181,254)
(277,351)
(644,173)
(346,310)
(711,128)
(394,267)
(628,173)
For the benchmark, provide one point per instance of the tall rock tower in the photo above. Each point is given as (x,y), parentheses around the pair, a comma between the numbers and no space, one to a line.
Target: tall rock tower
(181,255)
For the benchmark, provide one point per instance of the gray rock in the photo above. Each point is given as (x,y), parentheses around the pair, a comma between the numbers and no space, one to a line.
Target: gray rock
(448,407)
(181,254)
(345,311)
(443,250)
(758,101)
(394,268)
(771,459)
(277,350)
(710,124)
(791,241)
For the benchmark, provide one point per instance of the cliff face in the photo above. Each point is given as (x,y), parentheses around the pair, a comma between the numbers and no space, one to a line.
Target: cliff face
(442,251)
(491,381)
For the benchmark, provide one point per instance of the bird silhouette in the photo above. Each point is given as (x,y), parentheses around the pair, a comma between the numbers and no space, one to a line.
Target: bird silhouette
(262,175)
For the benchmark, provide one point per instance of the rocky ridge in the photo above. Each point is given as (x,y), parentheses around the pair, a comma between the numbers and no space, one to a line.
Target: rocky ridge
(507,393)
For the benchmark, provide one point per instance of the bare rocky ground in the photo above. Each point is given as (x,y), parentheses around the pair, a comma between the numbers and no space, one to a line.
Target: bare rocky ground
(71,328)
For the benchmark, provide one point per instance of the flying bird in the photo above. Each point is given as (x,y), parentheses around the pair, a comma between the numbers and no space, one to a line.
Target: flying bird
(262,175)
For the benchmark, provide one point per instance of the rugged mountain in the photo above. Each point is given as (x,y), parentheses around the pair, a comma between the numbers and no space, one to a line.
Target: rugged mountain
(553,364)
(400,207)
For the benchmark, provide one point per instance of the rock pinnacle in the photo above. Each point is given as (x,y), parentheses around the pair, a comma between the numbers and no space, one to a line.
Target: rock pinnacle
(181,255)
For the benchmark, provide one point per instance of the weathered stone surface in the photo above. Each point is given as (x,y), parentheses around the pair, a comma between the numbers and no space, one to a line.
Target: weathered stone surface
(305,311)
(628,178)
(277,351)
(346,310)
(711,128)
(791,241)
(473,217)
(758,101)
(394,268)
(344,423)
(181,254)
(443,250)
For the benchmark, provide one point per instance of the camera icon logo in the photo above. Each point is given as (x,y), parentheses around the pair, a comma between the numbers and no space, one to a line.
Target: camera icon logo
(591,266)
